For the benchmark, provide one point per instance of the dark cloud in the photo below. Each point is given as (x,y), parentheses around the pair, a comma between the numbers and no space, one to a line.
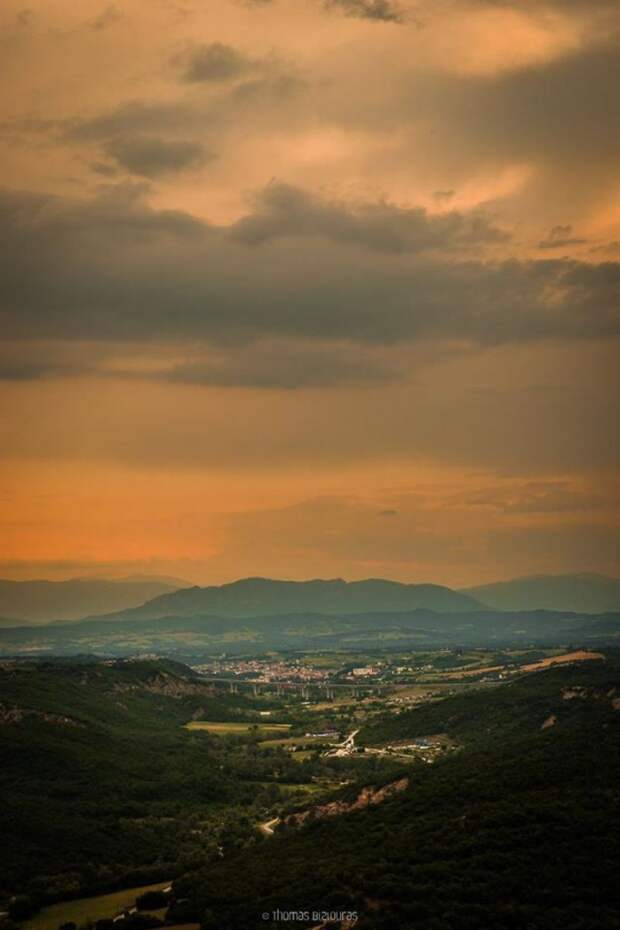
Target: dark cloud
(37,361)
(588,6)
(607,248)
(115,268)
(443,196)
(559,238)
(287,366)
(252,96)
(108,17)
(25,369)
(25,18)
(214,62)
(151,157)
(559,116)
(270,94)
(135,116)
(378,10)
(282,210)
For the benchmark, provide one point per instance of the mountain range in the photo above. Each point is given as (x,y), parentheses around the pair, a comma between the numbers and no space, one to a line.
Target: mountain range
(151,597)
(41,601)
(255,597)
(188,638)
(585,593)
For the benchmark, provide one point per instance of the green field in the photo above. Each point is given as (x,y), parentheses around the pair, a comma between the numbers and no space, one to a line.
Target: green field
(330,705)
(294,741)
(83,910)
(226,728)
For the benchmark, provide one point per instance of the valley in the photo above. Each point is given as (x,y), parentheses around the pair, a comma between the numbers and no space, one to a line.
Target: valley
(261,750)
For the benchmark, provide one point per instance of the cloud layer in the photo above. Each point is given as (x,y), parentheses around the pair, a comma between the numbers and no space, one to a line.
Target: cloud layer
(340,276)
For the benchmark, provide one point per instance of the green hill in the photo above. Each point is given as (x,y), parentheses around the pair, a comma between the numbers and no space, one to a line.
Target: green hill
(102,786)
(517,831)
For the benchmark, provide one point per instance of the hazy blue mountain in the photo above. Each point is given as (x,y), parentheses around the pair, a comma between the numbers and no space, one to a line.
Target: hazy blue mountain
(186,638)
(44,601)
(251,597)
(585,593)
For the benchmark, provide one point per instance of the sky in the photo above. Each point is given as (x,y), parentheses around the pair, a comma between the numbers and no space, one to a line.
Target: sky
(309,288)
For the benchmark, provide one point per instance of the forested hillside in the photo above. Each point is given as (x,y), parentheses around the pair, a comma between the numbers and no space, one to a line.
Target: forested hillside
(517,830)
(102,786)
(580,693)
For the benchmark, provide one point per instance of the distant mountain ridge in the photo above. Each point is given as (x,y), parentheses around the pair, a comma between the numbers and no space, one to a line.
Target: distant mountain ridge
(252,597)
(45,601)
(583,593)
(187,638)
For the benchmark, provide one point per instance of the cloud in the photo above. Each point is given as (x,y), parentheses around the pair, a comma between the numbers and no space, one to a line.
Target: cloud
(287,366)
(424,544)
(33,362)
(151,157)
(559,237)
(283,210)
(213,63)
(377,10)
(135,116)
(108,17)
(588,6)
(539,498)
(558,117)
(268,364)
(607,248)
(116,268)
(442,197)
(25,18)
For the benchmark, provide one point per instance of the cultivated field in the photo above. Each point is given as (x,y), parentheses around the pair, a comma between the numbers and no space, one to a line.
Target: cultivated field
(580,656)
(226,728)
(294,741)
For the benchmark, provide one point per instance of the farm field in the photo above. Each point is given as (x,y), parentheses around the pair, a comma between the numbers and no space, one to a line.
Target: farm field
(225,728)
(579,656)
(83,910)
(330,705)
(293,741)
(421,689)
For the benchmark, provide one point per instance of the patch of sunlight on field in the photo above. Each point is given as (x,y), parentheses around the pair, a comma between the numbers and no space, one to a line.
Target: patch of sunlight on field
(580,655)
(224,727)
(82,910)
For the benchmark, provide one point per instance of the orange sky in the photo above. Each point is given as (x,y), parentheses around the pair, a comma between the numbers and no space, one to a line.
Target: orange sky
(302,288)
